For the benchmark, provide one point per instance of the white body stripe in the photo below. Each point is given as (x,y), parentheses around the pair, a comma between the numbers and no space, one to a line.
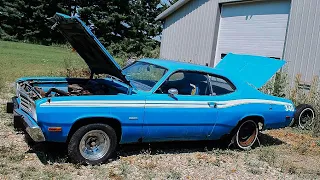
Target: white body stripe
(161,104)
(226,104)
(92,105)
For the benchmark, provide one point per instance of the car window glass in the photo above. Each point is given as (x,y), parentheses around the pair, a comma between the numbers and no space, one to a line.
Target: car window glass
(176,76)
(144,76)
(220,86)
(187,83)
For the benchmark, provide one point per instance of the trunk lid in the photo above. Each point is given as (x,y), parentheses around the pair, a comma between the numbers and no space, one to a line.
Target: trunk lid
(255,70)
(88,46)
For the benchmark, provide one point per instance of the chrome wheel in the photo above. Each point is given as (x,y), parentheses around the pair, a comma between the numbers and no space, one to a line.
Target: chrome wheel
(94,145)
(247,134)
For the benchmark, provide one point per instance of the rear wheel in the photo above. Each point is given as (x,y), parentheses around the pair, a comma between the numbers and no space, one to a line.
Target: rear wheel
(304,116)
(246,135)
(92,144)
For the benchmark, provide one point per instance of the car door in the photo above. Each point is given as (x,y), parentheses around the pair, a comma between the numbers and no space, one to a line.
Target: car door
(188,115)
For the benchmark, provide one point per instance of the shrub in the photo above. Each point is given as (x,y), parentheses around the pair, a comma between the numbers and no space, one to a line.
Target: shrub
(70,71)
(298,93)
(277,86)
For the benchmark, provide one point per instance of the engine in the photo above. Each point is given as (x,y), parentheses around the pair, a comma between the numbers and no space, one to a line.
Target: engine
(85,87)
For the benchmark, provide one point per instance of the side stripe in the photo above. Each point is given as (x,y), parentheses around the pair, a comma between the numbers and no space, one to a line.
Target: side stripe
(226,104)
(161,104)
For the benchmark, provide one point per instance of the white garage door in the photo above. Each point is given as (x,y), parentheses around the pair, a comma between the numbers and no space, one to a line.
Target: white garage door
(257,28)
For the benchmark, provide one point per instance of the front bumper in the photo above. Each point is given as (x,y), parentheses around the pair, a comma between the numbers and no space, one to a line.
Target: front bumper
(12,105)
(23,121)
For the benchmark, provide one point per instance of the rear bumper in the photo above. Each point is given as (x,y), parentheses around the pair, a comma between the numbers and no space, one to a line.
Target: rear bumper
(22,120)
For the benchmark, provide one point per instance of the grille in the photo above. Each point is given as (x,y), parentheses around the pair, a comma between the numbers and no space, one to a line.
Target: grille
(25,103)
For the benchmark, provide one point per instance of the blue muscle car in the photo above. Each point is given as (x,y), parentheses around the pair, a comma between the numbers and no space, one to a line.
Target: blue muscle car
(150,100)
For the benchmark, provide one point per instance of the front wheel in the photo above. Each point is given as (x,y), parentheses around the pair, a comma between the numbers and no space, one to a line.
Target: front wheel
(92,144)
(246,135)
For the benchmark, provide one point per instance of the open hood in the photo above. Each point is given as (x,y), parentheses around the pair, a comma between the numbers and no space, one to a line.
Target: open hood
(87,46)
(255,70)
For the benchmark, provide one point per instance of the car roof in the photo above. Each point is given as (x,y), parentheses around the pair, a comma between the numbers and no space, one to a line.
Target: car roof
(173,65)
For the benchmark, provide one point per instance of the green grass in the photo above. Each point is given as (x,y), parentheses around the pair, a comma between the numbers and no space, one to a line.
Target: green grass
(20,59)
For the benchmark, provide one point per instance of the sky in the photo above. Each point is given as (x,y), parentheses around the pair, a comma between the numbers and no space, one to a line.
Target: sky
(164,1)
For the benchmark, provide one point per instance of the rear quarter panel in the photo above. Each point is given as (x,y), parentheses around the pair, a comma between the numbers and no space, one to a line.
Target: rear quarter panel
(248,102)
(274,116)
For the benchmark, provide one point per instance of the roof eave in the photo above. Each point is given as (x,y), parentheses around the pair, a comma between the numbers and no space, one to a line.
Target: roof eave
(171,9)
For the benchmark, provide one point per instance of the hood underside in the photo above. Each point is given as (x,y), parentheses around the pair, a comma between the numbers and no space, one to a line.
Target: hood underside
(255,70)
(87,46)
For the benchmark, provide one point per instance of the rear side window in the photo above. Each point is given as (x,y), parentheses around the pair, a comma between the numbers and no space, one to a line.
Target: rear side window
(220,86)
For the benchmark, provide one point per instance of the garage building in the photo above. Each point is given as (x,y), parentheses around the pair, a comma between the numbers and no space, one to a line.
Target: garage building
(204,31)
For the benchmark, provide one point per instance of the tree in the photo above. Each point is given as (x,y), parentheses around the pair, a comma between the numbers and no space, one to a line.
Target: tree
(11,18)
(27,20)
(124,26)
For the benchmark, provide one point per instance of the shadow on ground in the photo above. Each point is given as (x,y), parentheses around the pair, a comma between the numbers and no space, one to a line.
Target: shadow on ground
(49,153)
(267,140)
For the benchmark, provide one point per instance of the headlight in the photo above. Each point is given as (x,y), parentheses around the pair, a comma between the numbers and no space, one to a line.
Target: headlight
(33,112)
(17,89)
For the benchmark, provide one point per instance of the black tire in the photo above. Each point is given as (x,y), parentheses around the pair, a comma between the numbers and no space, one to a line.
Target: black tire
(246,135)
(304,111)
(92,131)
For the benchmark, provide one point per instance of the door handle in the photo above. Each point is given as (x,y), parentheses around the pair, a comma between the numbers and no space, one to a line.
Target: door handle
(212,104)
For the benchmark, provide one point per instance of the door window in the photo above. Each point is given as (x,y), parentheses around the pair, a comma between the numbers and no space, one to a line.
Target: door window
(187,83)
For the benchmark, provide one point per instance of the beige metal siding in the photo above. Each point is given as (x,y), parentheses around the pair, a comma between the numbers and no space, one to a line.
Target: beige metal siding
(257,28)
(303,39)
(189,33)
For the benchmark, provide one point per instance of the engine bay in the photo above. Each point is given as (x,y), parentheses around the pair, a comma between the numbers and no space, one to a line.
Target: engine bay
(36,89)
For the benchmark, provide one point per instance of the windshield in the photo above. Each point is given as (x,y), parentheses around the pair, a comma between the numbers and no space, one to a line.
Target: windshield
(143,76)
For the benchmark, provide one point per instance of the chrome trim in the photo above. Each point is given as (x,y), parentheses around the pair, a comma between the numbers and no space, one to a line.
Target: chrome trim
(26,103)
(31,126)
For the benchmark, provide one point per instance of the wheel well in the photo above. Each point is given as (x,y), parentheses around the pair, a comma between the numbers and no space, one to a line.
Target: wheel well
(114,123)
(256,119)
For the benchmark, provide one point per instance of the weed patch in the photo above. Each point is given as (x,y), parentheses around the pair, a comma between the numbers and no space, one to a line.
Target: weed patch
(255,171)
(113,175)
(124,169)
(268,155)
(288,167)
(16,157)
(174,175)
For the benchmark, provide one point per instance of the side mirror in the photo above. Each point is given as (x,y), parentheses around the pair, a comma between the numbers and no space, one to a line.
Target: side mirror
(172,92)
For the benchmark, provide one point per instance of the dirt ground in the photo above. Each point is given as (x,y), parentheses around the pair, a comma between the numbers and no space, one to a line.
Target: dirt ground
(283,154)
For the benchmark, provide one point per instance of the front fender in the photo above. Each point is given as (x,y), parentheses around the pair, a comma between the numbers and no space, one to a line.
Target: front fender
(66,118)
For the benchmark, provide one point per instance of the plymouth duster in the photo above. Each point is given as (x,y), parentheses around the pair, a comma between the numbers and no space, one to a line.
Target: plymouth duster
(150,100)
